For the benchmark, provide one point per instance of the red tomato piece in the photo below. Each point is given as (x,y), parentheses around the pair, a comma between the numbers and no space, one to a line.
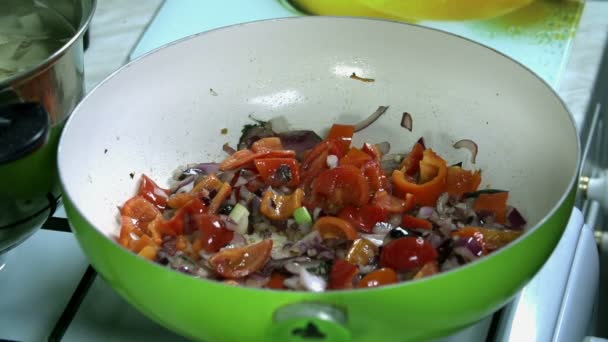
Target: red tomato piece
(141,210)
(153,193)
(336,188)
(214,234)
(182,222)
(277,172)
(393,204)
(242,261)
(376,177)
(414,222)
(342,275)
(330,227)
(380,277)
(406,254)
(364,218)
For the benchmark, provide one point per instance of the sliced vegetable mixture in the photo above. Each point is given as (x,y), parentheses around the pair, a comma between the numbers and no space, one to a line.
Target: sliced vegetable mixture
(293,211)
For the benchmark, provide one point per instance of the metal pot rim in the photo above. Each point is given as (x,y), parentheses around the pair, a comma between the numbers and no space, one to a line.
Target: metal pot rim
(46,63)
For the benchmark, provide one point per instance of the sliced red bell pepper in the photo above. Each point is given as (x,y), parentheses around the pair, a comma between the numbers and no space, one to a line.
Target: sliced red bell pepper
(411,164)
(355,157)
(267,144)
(277,172)
(495,203)
(460,180)
(433,174)
(245,158)
(343,134)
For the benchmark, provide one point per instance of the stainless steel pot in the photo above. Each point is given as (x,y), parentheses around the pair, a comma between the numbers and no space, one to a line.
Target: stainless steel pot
(34,104)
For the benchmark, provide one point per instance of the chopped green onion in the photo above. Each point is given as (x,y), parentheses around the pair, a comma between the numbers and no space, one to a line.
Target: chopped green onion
(240,215)
(302,216)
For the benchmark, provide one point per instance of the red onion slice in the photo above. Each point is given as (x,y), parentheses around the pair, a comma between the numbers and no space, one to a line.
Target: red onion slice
(406,121)
(469,145)
(370,119)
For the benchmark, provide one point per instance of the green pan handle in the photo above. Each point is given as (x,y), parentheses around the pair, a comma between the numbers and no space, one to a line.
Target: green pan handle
(305,322)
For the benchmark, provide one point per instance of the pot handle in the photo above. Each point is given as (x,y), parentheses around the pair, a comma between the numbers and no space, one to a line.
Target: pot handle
(310,322)
(24,127)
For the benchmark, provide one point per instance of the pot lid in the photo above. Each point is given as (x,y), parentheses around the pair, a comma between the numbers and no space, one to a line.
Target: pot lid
(24,127)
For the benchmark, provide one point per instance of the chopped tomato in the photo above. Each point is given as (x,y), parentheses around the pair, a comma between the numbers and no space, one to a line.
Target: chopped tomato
(182,221)
(495,203)
(376,177)
(339,187)
(489,239)
(460,180)
(281,207)
(153,193)
(335,228)
(342,275)
(433,174)
(355,157)
(315,161)
(343,134)
(242,261)
(406,254)
(411,164)
(380,277)
(277,172)
(364,218)
(414,222)
(393,204)
(267,144)
(427,270)
(141,210)
(362,252)
(214,234)
(276,281)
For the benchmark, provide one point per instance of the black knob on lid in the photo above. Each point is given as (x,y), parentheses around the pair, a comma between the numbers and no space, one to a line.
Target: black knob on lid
(24,127)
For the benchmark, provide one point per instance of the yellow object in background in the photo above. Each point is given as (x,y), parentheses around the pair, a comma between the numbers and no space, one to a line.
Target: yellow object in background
(413,10)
